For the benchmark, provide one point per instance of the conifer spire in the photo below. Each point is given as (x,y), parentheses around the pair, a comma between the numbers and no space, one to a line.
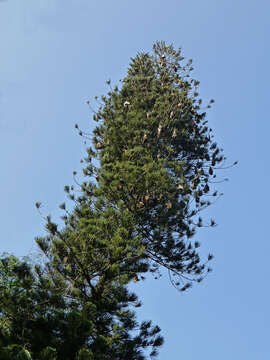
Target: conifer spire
(159,148)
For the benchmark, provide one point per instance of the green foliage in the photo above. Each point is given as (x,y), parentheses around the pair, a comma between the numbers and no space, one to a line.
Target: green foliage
(14,352)
(48,353)
(148,177)
(90,261)
(42,306)
(85,354)
(157,159)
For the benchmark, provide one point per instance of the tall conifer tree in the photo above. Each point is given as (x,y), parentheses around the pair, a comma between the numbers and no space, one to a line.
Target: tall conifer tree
(149,174)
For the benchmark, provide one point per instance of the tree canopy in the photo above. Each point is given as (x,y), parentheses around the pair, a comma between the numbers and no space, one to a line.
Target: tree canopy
(149,172)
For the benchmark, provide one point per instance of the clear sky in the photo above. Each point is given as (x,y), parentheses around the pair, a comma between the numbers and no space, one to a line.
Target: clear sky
(56,54)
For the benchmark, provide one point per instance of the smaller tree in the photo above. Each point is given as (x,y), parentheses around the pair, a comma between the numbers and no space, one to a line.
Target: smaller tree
(46,312)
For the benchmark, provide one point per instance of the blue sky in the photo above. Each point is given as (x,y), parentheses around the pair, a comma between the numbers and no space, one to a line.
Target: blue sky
(56,54)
